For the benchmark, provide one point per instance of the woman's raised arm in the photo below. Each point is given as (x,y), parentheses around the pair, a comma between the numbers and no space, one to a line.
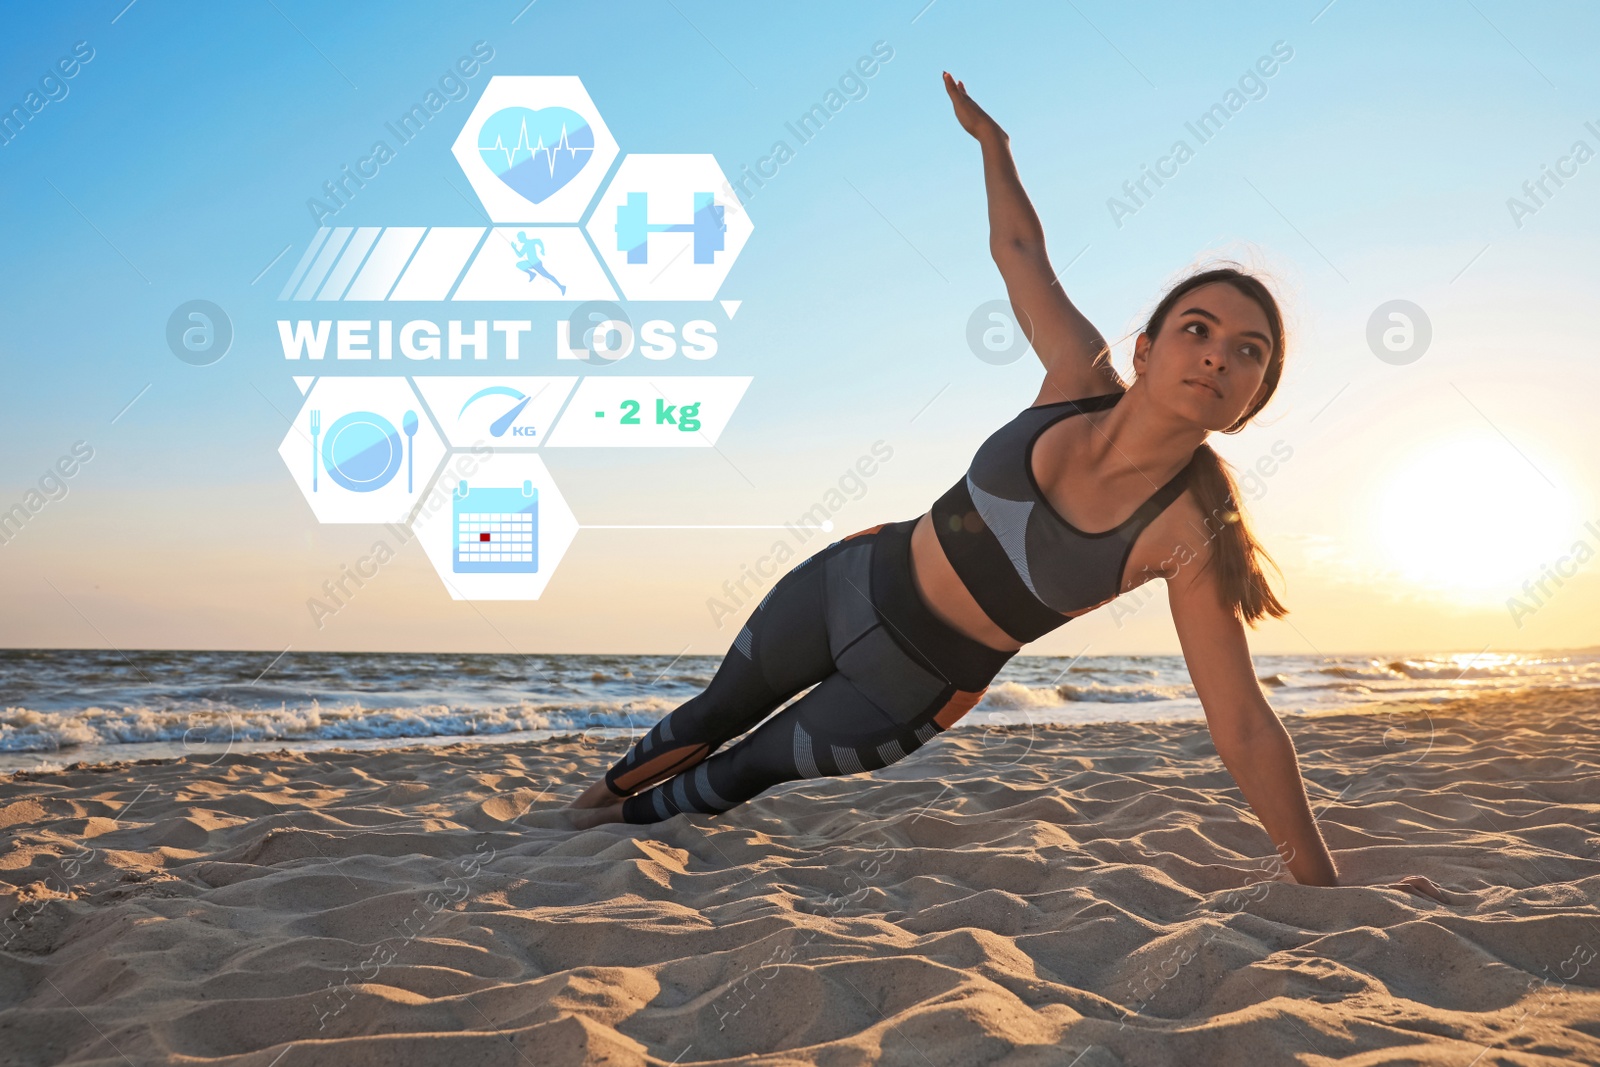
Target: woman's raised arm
(1076,359)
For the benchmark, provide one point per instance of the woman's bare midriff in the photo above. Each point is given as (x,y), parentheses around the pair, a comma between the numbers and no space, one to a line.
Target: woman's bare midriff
(942,591)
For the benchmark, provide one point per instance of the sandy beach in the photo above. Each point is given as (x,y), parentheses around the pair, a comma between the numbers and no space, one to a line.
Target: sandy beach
(1096,894)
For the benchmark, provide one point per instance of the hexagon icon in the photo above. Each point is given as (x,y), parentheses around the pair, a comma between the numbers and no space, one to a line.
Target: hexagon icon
(362,449)
(669,227)
(535,148)
(495,526)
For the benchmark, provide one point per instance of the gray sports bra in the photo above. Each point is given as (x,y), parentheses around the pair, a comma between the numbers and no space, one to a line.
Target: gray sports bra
(1023,563)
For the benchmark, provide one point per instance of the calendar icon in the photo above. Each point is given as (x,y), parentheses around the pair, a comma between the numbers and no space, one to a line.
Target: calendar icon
(496,530)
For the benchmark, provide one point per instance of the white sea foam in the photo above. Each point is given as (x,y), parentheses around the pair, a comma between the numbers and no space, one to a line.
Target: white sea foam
(24,730)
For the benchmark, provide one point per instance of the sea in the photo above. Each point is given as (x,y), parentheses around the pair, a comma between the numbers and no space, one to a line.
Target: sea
(63,706)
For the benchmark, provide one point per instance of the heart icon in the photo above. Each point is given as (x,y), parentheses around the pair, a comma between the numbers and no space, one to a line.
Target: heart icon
(536,152)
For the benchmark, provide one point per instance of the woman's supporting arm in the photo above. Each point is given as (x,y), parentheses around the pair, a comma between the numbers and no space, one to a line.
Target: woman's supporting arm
(1263,764)
(1247,733)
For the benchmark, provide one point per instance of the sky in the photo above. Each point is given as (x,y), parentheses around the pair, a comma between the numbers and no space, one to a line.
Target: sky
(1418,498)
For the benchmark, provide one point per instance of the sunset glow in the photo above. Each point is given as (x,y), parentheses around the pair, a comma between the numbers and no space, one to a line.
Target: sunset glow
(1469,518)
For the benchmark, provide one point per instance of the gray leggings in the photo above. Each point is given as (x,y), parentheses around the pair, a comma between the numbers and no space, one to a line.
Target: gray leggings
(887,675)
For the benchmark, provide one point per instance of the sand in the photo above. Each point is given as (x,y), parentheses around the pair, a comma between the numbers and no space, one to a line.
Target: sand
(1092,895)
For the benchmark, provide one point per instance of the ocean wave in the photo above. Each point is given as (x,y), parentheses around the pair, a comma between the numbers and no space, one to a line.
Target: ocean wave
(1011,696)
(1123,694)
(25,730)
(1431,669)
(1142,672)
(1287,683)
(1374,671)
(1448,670)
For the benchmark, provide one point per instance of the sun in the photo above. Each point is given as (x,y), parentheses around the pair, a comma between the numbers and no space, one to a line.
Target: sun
(1470,518)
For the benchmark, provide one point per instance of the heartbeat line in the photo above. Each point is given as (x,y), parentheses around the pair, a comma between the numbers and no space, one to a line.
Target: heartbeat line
(522,146)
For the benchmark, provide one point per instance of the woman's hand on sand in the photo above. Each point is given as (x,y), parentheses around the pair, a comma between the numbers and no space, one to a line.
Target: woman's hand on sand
(1417,884)
(973,118)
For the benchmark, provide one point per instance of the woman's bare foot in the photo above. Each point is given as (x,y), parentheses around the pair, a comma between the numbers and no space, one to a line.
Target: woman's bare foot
(588,817)
(595,806)
(598,795)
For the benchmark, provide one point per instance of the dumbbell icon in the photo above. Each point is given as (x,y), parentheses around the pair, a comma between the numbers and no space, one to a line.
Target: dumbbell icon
(634,228)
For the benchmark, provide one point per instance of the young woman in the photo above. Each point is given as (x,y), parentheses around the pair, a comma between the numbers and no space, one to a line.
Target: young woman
(1095,489)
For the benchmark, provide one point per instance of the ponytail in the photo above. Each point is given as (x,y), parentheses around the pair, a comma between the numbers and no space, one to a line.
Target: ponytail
(1238,555)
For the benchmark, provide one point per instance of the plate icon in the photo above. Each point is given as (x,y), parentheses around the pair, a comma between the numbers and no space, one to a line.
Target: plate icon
(362,451)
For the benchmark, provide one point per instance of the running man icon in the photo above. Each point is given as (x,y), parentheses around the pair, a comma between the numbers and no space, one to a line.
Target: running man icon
(530,253)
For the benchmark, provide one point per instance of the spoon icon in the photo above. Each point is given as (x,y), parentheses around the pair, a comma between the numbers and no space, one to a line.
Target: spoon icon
(409,425)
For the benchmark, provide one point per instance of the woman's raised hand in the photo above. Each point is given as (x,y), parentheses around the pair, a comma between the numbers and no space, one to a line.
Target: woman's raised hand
(973,118)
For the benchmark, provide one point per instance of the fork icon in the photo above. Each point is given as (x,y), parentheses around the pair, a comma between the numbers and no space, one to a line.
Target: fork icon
(316,428)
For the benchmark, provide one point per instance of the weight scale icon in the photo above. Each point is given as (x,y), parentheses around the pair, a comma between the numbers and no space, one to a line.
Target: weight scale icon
(362,451)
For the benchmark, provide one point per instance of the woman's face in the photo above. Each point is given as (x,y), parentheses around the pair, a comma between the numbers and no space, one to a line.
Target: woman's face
(1210,361)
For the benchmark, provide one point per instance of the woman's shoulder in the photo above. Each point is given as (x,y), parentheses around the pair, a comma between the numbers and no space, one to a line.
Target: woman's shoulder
(1099,386)
(1182,538)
